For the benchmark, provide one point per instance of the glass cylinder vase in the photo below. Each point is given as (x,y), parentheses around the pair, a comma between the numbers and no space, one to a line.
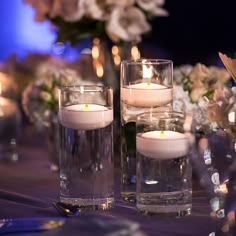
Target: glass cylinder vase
(86,147)
(145,86)
(164,171)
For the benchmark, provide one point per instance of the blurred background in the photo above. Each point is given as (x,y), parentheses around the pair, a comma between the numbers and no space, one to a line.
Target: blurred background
(194,32)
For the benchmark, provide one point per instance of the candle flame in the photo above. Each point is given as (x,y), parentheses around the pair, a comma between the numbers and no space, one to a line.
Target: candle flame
(162,134)
(135,53)
(86,107)
(147,70)
(232,117)
(99,69)
(95,52)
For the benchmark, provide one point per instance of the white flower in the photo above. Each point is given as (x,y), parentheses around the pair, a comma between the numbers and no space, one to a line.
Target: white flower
(153,6)
(102,10)
(45,96)
(68,77)
(124,19)
(95,9)
(71,10)
(199,74)
(51,65)
(40,97)
(180,72)
(197,92)
(127,24)
(193,87)
(121,3)
(220,76)
(181,101)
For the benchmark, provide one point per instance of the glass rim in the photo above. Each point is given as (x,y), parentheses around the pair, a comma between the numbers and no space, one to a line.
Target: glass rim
(86,88)
(161,114)
(144,61)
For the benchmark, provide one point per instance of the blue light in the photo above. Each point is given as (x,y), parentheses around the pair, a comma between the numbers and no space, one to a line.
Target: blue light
(31,34)
(20,34)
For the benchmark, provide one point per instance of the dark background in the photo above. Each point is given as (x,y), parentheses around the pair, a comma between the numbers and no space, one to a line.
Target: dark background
(195,31)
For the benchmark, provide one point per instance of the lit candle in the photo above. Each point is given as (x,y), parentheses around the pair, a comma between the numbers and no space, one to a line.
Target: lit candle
(8,87)
(8,108)
(162,144)
(85,116)
(146,95)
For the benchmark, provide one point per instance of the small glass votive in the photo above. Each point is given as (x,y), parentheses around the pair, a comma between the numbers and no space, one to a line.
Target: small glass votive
(86,147)
(164,172)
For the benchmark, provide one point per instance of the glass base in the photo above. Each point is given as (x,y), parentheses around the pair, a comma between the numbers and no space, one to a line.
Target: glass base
(165,211)
(174,204)
(84,204)
(128,196)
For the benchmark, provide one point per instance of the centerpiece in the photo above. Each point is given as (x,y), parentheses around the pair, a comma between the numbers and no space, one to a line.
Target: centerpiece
(112,27)
(194,86)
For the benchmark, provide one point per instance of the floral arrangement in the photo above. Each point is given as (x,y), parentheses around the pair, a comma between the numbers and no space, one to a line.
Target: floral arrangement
(194,88)
(40,97)
(124,20)
(222,109)
(28,68)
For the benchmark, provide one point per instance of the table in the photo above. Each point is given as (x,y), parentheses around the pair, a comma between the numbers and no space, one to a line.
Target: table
(28,187)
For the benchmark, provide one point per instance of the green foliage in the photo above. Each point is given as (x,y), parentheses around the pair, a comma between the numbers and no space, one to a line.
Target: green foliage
(209,94)
(75,32)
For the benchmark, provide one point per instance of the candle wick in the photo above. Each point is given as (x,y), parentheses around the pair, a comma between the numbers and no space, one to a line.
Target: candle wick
(162,134)
(86,107)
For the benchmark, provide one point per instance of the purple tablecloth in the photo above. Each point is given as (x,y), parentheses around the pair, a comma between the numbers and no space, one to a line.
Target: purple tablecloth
(28,187)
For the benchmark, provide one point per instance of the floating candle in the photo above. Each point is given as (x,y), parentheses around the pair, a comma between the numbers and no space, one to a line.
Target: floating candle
(162,144)
(85,116)
(146,95)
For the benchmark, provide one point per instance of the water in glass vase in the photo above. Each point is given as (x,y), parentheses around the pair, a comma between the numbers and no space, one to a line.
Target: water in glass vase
(86,167)
(128,151)
(164,186)
(129,114)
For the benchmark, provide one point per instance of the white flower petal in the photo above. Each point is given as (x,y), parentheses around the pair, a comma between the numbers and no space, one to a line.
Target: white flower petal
(127,24)
(153,6)
(121,3)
